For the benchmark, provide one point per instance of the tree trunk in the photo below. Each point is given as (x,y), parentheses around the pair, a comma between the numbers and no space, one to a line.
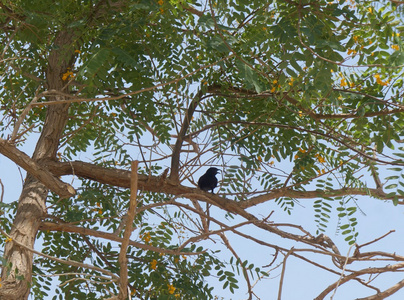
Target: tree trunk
(16,275)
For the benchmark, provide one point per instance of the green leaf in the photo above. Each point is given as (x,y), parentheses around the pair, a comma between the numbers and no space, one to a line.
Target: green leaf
(249,76)
(396,59)
(217,43)
(91,67)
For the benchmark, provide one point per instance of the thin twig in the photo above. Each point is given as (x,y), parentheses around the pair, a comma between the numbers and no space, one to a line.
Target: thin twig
(343,271)
(375,240)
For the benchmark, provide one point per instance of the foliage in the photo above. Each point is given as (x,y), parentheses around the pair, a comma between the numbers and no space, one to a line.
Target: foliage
(291,99)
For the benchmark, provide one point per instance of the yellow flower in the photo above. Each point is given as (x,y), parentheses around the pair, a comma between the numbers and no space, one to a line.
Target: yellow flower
(160,2)
(302,150)
(395,47)
(291,81)
(77,51)
(343,82)
(171,289)
(147,237)
(259,158)
(68,75)
(8,239)
(379,81)
(320,159)
(133,292)
(273,90)
(370,9)
(153,264)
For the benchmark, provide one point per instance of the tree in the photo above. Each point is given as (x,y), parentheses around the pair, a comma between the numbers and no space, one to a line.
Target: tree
(133,99)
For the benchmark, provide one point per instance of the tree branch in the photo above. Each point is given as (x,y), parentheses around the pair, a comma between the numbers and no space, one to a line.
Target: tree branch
(67,262)
(340,139)
(283,273)
(175,160)
(389,268)
(106,235)
(377,193)
(123,96)
(121,178)
(382,295)
(64,190)
(123,260)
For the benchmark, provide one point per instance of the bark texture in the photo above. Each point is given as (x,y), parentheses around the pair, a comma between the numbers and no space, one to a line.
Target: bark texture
(16,277)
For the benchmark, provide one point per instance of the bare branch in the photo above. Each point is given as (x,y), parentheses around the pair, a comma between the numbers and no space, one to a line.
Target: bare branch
(353,275)
(283,273)
(383,295)
(123,260)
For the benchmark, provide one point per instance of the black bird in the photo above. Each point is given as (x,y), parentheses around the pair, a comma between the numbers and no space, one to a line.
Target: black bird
(208,181)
